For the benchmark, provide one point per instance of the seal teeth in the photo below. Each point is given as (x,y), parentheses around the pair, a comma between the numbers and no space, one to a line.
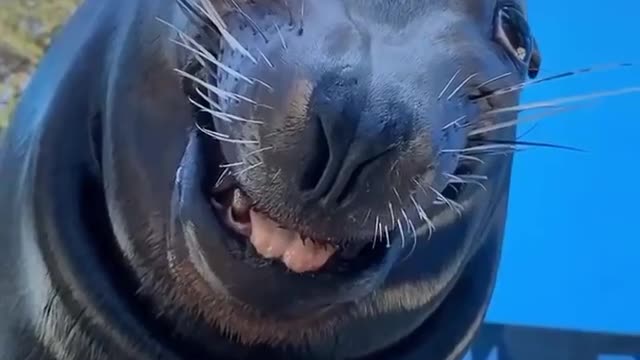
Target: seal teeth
(241,204)
(298,254)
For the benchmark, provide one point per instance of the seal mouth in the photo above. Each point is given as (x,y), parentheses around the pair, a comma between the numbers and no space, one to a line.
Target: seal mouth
(255,237)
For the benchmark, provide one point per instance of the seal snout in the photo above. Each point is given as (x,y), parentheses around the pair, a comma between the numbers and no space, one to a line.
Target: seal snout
(346,143)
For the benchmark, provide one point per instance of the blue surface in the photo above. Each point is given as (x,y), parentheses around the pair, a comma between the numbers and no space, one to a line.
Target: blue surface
(572,253)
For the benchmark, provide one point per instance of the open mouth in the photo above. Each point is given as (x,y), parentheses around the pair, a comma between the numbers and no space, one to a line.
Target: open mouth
(255,237)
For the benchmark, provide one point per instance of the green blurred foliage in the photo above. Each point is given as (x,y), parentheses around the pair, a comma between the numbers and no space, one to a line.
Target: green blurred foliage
(27,27)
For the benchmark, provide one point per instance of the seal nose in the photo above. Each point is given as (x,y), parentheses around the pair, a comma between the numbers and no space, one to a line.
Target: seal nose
(348,142)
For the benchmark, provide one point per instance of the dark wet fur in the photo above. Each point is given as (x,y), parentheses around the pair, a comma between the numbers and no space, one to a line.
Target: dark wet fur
(68,290)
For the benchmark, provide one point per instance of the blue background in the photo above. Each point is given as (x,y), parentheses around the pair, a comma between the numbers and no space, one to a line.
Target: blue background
(572,252)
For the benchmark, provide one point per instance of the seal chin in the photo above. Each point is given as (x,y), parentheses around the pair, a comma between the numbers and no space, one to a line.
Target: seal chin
(243,254)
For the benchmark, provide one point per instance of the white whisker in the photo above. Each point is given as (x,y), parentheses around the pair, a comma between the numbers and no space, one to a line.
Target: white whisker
(198,49)
(230,165)
(402,239)
(455,122)
(460,179)
(465,82)
(386,230)
(224,137)
(222,115)
(462,157)
(255,152)
(282,41)
(415,240)
(210,12)
(375,233)
(458,208)
(249,168)
(566,100)
(446,87)
(479,148)
(216,90)
(264,57)
(391,212)
(208,99)
(224,173)
(366,217)
(423,215)
(565,74)
(518,120)
(494,79)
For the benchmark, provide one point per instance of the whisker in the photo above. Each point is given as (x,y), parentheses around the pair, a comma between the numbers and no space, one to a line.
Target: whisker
(395,191)
(386,230)
(415,241)
(230,165)
(462,157)
(212,14)
(494,79)
(375,233)
(478,148)
(202,51)
(565,100)
(391,212)
(286,4)
(282,41)
(454,179)
(366,217)
(224,116)
(409,225)
(224,137)
(455,206)
(255,152)
(506,147)
(249,168)
(446,87)
(534,144)
(216,90)
(518,120)
(465,82)
(458,208)
(224,173)
(188,7)
(558,76)
(254,25)
(529,131)
(393,166)
(276,174)
(423,215)
(474,177)
(269,87)
(402,239)
(208,99)
(405,216)
(454,122)
(264,57)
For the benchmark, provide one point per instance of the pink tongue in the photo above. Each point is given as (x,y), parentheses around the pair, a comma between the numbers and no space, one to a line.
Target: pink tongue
(273,242)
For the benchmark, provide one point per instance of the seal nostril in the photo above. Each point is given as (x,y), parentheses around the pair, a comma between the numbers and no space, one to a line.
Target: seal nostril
(319,159)
(350,185)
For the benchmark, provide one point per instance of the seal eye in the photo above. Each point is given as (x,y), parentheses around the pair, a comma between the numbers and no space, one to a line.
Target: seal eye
(512,31)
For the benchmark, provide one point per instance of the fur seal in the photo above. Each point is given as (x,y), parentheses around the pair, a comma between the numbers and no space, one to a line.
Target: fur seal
(299,179)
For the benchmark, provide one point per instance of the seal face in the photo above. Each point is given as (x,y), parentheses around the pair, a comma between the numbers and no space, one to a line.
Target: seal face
(252,177)
(331,133)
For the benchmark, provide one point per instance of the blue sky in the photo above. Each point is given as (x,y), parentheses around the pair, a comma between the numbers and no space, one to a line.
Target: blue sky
(572,253)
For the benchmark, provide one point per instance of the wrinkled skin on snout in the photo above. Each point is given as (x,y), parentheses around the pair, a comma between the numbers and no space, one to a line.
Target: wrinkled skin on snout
(310,179)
